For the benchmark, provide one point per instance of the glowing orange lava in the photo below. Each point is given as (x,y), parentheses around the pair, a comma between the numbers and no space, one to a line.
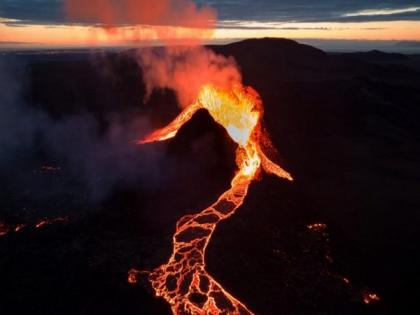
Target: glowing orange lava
(50,221)
(6,229)
(370,297)
(50,169)
(183,281)
(317,227)
(19,227)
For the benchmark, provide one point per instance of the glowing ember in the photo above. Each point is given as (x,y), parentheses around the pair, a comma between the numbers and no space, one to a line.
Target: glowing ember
(50,221)
(132,276)
(19,227)
(50,169)
(183,282)
(41,224)
(346,280)
(370,297)
(4,229)
(317,227)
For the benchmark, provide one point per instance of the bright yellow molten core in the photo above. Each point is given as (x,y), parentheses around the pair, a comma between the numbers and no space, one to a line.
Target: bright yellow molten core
(232,109)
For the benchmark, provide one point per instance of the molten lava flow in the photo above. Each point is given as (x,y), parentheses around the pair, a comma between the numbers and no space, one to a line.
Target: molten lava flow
(171,130)
(183,281)
(4,229)
(317,227)
(370,297)
(50,221)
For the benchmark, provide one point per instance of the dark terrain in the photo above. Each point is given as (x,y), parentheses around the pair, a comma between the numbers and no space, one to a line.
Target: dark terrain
(346,126)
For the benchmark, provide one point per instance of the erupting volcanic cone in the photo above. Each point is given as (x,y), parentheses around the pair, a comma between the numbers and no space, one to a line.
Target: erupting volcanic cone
(184,281)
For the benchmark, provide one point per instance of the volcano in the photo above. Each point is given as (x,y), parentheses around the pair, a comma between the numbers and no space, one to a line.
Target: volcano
(239,111)
(339,239)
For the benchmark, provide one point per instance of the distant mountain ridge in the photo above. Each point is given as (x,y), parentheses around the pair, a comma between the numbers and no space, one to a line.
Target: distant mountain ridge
(410,44)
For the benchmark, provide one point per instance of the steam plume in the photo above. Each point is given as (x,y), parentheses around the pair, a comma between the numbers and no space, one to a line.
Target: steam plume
(186,69)
(183,68)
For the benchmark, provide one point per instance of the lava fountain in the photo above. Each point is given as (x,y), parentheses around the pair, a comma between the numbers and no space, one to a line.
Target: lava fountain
(183,281)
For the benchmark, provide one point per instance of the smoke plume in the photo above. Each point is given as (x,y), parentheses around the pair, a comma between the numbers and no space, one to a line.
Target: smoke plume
(185,70)
(183,65)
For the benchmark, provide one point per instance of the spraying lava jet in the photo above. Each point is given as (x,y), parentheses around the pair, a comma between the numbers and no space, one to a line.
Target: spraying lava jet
(183,281)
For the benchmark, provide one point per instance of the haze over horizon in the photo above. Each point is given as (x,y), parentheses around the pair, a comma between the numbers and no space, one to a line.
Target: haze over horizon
(45,23)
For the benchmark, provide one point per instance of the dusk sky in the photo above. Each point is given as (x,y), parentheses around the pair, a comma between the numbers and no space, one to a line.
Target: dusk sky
(45,22)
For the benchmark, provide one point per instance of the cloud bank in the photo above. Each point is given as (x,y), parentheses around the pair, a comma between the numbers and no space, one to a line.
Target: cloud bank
(54,11)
